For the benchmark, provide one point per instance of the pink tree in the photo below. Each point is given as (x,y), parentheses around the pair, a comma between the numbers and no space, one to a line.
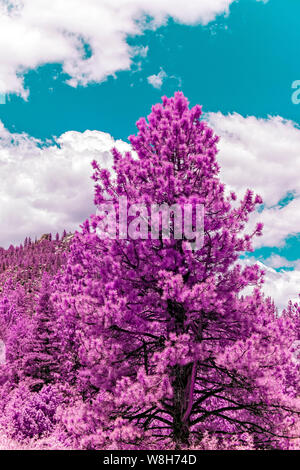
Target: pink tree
(40,363)
(157,337)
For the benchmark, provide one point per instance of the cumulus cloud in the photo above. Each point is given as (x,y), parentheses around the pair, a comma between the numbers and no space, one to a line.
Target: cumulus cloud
(263,155)
(47,187)
(37,32)
(157,80)
(276,261)
(281,286)
(279,224)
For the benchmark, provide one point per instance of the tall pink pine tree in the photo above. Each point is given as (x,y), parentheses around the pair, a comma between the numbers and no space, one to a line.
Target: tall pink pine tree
(157,336)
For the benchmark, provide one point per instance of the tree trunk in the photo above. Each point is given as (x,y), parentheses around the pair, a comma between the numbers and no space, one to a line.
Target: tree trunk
(181,382)
(183,385)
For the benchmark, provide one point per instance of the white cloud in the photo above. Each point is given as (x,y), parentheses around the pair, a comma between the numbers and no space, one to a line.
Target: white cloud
(157,80)
(279,224)
(277,261)
(142,51)
(281,286)
(263,155)
(37,32)
(46,188)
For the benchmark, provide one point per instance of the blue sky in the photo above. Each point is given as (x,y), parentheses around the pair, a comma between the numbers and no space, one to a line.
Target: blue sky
(236,58)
